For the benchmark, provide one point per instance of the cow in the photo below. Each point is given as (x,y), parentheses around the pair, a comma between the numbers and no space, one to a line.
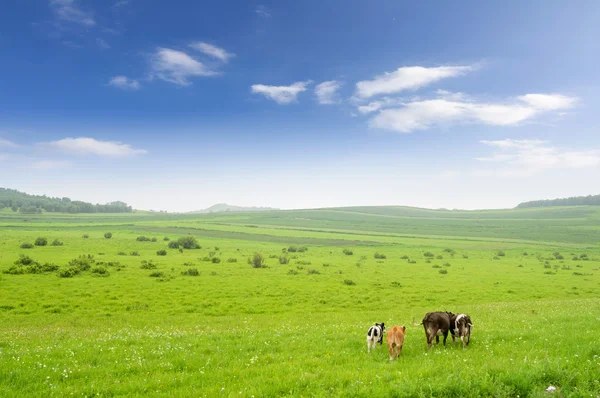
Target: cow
(460,326)
(375,335)
(436,324)
(395,340)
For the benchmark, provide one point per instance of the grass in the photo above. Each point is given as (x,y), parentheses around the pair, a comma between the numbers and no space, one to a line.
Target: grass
(290,330)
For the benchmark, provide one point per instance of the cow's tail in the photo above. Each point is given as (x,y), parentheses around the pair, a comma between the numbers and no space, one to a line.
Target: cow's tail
(416,324)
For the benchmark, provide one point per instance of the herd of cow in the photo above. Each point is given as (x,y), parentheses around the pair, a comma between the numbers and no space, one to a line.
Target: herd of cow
(436,324)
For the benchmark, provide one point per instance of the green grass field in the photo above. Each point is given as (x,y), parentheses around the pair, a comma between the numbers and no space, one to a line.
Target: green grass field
(529,278)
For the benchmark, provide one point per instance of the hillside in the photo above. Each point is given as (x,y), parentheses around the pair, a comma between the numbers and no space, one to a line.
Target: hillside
(590,200)
(31,204)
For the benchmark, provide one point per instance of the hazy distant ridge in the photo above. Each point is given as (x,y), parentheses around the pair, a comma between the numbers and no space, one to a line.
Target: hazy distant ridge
(590,200)
(224,207)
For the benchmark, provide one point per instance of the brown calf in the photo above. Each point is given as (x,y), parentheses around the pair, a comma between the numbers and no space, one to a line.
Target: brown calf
(395,340)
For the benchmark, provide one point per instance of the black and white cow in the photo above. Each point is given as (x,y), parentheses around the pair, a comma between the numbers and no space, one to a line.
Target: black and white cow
(460,326)
(375,335)
(436,324)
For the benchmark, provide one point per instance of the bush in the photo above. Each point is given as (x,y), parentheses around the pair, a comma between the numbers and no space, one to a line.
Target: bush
(142,239)
(157,274)
(148,265)
(303,262)
(348,252)
(232,260)
(439,257)
(436,266)
(446,264)
(82,263)
(284,260)
(166,238)
(180,250)
(292,249)
(26,245)
(428,254)
(257,261)
(217,248)
(85,236)
(313,272)
(121,254)
(524,254)
(161,252)
(205,258)
(211,254)
(134,253)
(465,256)
(191,272)
(273,256)
(451,251)
(583,256)
(404,257)
(68,272)
(412,261)
(379,256)
(215,260)
(500,253)
(302,249)
(173,245)
(188,242)
(349,282)
(443,271)
(57,242)
(292,272)
(108,235)
(100,271)
(153,240)
(325,264)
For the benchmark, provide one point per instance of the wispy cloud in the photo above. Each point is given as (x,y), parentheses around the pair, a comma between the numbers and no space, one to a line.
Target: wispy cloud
(213,51)
(408,78)
(49,164)
(326,92)
(91,146)
(120,3)
(528,157)
(69,11)
(177,66)
(262,11)
(421,115)
(103,44)
(4,143)
(281,94)
(384,102)
(124,83)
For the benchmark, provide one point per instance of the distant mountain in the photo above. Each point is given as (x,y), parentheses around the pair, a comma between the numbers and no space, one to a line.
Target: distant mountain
(591,200)
(224,207)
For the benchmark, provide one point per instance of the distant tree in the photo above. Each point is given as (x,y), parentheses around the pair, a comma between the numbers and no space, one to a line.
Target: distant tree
(108,235)
(257,261)
(188,242)
(41,241)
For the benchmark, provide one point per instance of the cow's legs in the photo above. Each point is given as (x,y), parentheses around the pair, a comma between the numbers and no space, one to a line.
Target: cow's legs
(433,334)
(445,337)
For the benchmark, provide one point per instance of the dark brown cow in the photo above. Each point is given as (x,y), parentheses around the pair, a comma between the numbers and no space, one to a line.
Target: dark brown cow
(436,324)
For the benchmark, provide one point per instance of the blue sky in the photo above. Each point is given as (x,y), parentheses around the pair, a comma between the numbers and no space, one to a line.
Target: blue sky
(179,105)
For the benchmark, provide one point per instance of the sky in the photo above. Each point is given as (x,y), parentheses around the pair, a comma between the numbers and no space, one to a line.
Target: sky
(182,104)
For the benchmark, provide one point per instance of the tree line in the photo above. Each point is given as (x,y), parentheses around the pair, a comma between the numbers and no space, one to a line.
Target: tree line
(590,200)
(32,204)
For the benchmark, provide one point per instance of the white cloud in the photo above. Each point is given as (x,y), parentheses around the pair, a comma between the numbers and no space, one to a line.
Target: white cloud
(281,94)
(177,66)
(212,51)
(103,44)
(120,3)
(4,143)
(420,115)
(326,92)
(69,11)
(529,157)
(125,83)
(374,106)
(91,146)
(408,78)
(262,11)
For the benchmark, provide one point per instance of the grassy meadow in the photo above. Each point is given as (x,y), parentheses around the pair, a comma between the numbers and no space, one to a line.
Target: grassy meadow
(204,322)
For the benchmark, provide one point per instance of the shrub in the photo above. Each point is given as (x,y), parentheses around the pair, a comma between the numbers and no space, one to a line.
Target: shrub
(303,262)
(211,254)
(157,274)
(232,260)
(273,256)
(451,251)
(380,256)
(134,253)
(205,258)
(57,242)
(404,257)
(325,264)
(100,271)
(439,257)
(559,257)
(188,242)
(412,261)
(313,272)
(82,263)
(292,249)
(292,272)
(166,238)
(25,260)
(121,254)
(153,240)
(302,249)
(191,272)
(436,266)
(180,250)
(348,252)
(217,248)
(500,253)
(188,264)
(142,239)
(161,252)
(26,245)
(108,235)
(257,261)
(68,272)
(524,254)
(148,265)
(284,260)
(443,271)
(583,256)
(349,282)
(465,256)
(173,245)
(427,254)
(446,264)
(495,258)
(215,260)
(428,261)
(396,284)
(85,236)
